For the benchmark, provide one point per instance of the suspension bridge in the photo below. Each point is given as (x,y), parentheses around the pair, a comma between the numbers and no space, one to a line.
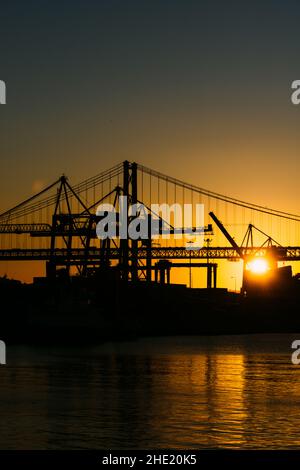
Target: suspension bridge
(58,225)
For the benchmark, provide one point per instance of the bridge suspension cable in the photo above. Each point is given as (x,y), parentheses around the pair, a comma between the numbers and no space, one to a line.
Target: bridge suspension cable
(27,207)
(218,196)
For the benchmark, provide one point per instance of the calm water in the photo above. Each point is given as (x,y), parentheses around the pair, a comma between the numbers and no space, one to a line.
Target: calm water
(227,392)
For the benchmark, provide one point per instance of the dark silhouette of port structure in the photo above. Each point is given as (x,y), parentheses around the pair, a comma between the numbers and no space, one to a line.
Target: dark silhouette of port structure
(101,289)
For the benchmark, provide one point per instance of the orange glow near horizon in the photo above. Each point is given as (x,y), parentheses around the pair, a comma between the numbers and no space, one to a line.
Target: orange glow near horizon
(235,219)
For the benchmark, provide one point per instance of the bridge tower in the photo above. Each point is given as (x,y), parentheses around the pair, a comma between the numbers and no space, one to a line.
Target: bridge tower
(129,267)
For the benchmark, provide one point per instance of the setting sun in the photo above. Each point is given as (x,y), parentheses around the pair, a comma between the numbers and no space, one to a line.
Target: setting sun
(258,266)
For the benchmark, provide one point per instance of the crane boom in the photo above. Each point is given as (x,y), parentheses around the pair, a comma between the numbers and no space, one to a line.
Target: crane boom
(227,235)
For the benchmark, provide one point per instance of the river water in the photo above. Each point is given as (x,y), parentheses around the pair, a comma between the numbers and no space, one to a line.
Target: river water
(238,392)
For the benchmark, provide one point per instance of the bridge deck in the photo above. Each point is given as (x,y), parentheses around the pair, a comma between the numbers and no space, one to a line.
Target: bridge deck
(61,255)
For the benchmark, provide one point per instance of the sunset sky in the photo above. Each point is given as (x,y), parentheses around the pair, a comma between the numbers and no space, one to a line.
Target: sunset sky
(199,90)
